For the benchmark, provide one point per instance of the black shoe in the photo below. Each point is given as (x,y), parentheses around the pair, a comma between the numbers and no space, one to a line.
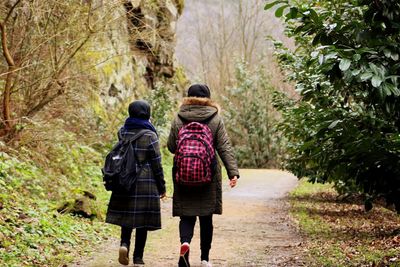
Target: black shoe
(138,261)
(184,255)
(123,254)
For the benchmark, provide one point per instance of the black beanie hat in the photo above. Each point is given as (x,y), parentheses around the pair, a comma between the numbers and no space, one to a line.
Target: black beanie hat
(139,109)
(199,90)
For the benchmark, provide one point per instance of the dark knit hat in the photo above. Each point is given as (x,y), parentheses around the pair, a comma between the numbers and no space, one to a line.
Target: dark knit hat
(199,90)
(139,109)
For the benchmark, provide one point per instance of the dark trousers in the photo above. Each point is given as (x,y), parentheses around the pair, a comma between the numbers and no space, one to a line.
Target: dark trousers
(186,228)
(140,240)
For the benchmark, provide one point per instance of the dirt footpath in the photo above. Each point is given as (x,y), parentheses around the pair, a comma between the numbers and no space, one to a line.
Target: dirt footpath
(254,229)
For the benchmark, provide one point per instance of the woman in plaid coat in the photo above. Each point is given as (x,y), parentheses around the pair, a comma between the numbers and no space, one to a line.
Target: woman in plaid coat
(140,207)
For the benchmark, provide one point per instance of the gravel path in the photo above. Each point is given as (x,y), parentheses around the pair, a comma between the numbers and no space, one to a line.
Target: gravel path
(254,230)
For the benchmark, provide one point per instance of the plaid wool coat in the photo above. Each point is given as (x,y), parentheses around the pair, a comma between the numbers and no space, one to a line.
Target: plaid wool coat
(140,208)
(207,199)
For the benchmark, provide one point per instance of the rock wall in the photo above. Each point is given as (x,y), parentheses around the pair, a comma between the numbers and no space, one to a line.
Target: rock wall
(137,48)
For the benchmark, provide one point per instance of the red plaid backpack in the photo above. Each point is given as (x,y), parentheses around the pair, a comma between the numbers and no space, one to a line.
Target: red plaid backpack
(194,159)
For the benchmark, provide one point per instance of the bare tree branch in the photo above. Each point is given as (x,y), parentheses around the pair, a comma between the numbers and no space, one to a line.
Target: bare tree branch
(11,10)
(11,67)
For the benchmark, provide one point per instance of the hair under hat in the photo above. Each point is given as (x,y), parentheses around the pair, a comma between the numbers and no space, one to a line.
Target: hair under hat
(199,90)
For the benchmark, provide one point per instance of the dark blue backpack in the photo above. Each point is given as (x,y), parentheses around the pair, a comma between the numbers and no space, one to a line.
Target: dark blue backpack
(120,167)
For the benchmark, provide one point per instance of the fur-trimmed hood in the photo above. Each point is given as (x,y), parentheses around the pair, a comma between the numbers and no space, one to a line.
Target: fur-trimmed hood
(200,101)
(198,108)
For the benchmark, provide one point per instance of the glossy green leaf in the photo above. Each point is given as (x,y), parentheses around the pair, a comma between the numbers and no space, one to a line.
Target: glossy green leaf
(344,64)
(314,54)
(280,10)
(356,57)
(393,89)
(333,124)
(386,90)
(376,81)
(387,53)
(355,72)
(292,13)
(316,39)
(314,15)
(366,76)
(270,5)
(321,59)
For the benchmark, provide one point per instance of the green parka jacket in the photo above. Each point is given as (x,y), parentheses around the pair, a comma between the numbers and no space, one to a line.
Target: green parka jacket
(206,200)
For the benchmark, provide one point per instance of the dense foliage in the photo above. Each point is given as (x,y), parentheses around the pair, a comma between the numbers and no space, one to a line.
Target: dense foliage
(346,67)
(32,231)
(163,106)
(251,119)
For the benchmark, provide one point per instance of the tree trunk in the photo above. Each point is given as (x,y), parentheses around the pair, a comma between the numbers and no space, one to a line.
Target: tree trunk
(8,85)
(7,100)
(7,122)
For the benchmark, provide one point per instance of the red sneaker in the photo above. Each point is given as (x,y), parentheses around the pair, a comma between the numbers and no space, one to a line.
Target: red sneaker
(184,255)
(185,247)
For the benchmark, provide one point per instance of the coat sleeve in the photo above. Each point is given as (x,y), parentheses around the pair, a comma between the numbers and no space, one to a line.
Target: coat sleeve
(155,161)
(225,151)
(173,136)
(119,134)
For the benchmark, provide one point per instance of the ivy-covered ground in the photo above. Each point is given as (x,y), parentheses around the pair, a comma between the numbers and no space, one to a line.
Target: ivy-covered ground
(35,229)
(341,233)
(32,231)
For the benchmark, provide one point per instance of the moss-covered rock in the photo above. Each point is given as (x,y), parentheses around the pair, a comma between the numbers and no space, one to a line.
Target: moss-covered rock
(83,205)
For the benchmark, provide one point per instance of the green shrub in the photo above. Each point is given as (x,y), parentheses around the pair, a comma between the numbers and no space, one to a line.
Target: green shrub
(163,108)
(345,129)
(163,105)
(251,119)
(32,232)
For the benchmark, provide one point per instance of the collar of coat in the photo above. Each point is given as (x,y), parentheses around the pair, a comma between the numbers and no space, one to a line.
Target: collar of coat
(200,101)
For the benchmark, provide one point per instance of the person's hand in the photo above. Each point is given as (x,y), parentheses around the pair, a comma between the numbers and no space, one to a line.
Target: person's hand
(163,195)
(233,181)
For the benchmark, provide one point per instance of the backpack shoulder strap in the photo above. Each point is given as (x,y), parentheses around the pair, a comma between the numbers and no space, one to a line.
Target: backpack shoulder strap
(135,137)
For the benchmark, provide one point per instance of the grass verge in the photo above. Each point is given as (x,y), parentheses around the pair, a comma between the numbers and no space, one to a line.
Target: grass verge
(32,230)
(340,233)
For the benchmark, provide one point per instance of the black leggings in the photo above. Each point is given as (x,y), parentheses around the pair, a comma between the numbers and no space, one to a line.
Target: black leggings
(140,240)
(186,228)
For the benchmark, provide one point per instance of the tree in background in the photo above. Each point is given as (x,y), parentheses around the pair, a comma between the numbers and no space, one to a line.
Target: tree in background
(252,119)
(214,34)
(345,129)
(40,43)
(163,106)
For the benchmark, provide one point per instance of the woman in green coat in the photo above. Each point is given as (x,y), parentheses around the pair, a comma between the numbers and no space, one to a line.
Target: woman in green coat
(188,204)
